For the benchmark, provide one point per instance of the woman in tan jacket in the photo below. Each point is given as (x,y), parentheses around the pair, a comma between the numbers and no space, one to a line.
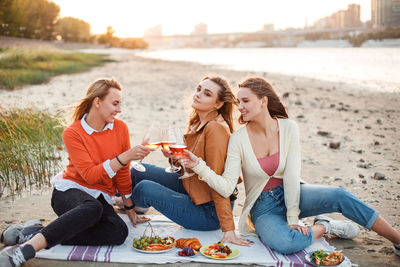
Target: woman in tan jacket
(191,202)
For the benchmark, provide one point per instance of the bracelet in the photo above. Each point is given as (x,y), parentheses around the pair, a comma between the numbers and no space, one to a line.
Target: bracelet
(120,162)
(130,207)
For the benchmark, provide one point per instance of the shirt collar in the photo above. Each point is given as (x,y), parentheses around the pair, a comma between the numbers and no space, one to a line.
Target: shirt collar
(89,130)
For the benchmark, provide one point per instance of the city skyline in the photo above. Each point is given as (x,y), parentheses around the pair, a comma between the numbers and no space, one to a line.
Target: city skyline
(132,18)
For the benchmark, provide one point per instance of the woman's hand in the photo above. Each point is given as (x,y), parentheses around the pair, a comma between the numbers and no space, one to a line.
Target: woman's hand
(140,152)
(302,229)
(231,237)
(135,219)
(190,160)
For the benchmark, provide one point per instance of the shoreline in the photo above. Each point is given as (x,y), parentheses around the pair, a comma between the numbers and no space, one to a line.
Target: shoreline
(366,125)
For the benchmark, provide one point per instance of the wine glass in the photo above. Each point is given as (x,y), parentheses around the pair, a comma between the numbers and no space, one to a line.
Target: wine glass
(178,149)
(168,140)
(151,139)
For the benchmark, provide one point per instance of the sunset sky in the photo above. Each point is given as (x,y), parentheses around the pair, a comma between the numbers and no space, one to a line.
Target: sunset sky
(131,17)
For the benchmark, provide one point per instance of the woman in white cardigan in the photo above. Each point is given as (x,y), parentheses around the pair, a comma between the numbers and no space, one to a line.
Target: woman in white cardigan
(267,151)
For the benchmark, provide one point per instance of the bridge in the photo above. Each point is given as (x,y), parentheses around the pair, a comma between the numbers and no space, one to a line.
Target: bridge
(285,38)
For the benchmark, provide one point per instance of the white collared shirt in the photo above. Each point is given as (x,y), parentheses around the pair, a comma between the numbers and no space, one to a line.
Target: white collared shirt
(65,184)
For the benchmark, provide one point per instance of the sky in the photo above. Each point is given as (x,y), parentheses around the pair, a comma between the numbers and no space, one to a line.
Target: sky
(130,18)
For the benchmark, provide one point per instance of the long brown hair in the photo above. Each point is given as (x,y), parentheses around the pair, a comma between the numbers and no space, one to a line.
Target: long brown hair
(261,88)
(225,95)
(100,89)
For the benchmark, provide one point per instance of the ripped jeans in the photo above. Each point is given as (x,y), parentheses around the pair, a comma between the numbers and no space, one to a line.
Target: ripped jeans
(165,192)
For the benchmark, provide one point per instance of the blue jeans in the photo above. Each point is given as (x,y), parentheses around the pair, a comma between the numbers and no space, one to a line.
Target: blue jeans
(269,214)
(165,192)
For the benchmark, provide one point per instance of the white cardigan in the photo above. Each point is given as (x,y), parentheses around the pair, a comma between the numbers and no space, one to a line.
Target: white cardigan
(240,156)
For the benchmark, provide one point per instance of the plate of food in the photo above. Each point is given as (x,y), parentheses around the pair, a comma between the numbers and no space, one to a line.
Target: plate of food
(219,251)
(153,243)
(325,258)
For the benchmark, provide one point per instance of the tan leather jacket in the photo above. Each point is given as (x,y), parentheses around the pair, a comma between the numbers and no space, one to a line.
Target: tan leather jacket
(209,140)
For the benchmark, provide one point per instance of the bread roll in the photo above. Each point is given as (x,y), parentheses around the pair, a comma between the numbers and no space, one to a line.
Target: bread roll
(194,243)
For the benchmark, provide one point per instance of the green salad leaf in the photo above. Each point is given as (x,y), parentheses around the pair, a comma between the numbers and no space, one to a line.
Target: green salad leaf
(319,254)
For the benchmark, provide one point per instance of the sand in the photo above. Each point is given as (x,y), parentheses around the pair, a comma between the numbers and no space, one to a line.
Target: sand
(364,124)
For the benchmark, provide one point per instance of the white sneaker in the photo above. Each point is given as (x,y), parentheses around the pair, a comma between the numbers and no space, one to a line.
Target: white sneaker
(16,255)
(10,235)
(342,229)
(17,234)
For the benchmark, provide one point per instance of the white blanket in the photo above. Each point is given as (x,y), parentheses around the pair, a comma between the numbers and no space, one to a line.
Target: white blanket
(255,254)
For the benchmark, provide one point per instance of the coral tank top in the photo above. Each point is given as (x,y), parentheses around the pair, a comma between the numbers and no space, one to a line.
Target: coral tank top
(269,164)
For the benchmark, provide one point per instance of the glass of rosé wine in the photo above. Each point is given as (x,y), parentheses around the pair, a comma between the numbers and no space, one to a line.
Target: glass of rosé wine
(169,138)
(178,149)
(151,139)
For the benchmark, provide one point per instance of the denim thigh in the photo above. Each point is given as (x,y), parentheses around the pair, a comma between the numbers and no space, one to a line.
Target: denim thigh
(269,218)
(158,175)
(269,202)
(177,206)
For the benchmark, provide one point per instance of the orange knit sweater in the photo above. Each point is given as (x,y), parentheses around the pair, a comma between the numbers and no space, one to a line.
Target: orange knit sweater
(86,154)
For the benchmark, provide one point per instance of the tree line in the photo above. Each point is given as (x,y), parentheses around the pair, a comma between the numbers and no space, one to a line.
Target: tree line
(40,19)
(388,33)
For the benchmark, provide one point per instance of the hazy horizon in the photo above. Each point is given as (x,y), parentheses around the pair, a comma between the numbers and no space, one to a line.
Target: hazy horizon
(130,18)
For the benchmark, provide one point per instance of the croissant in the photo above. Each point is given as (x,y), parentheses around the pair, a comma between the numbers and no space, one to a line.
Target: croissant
(194,243)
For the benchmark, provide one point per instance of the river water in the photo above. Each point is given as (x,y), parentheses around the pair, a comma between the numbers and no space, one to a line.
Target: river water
(369,68)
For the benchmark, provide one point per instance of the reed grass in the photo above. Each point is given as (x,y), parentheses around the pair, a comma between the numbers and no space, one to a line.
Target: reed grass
(35,66)
(30,148)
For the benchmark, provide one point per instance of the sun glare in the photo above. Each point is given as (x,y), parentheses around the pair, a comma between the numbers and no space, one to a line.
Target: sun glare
(130,18)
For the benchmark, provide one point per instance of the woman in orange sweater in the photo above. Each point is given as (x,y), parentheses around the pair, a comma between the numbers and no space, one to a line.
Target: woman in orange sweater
(99,153)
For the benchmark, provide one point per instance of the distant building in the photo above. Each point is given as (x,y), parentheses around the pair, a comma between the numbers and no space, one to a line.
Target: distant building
(385,13)
(353,14)
(200,29)
(349,18)
(155,31)
(268,27)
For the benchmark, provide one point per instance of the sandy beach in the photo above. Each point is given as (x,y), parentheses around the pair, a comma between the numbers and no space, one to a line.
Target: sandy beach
(349,138)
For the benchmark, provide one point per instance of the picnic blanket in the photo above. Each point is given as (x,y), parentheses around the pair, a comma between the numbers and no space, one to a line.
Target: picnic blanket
(257,253)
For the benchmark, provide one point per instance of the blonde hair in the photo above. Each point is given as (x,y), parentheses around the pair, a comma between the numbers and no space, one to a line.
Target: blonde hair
(226,96)
(100,89)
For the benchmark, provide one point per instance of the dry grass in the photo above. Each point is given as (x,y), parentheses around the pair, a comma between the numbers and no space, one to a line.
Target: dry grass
(30,149)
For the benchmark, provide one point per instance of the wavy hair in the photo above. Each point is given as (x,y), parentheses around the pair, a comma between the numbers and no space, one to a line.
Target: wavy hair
(260,87)
(226,96)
